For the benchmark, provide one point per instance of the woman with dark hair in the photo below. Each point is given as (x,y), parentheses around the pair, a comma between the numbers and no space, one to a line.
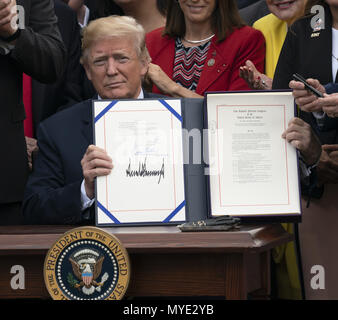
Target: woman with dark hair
(201,48)
(162,6)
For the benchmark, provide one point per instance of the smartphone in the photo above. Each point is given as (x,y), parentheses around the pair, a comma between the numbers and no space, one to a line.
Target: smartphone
(299,78)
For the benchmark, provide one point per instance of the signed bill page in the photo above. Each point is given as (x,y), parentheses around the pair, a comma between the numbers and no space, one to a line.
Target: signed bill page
(144,140)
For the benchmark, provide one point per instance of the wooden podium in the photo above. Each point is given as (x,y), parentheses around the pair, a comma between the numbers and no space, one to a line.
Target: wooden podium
(164,260)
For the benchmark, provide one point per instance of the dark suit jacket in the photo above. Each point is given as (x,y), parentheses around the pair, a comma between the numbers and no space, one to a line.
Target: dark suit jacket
(40,53)
(52,193)
(308,53)
(47,99)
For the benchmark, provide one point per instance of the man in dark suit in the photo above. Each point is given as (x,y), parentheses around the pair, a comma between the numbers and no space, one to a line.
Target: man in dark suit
(60,189)
(35,48)
(325,112)
(48,99)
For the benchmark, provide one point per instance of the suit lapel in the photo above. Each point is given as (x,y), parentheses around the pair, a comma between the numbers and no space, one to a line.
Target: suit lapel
(87,121)
(328,43)
(325,48)
(148,95)
(37,103)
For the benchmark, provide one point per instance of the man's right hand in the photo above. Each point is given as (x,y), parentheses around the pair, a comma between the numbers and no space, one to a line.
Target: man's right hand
(95,163)
(7,18)
(300,135)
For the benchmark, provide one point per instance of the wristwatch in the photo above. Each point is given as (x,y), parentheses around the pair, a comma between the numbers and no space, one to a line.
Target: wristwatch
(307,168)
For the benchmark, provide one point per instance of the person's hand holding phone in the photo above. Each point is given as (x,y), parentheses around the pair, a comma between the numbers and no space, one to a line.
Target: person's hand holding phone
(306,99)
(307,85)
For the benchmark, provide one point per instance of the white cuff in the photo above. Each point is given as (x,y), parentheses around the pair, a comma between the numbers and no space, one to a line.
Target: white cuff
(86,18)
(319,114)
(320,118)
(85,201)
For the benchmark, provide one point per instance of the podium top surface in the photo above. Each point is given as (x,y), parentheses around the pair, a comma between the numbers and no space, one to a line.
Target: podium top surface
(166,239)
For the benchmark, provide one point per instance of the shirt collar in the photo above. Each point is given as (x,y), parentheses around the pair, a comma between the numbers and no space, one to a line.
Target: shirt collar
(140,96)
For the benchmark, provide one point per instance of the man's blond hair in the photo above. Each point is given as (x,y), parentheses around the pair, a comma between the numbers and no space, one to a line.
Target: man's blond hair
(114,27)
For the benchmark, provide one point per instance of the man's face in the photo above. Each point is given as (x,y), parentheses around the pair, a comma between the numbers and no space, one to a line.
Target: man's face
(287,10)
(115,69)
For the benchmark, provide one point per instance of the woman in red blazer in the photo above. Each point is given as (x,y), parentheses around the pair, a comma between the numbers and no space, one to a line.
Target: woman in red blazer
(201,49)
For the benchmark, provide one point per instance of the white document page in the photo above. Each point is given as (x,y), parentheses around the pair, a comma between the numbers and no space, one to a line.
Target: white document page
(253,170)
(144,140)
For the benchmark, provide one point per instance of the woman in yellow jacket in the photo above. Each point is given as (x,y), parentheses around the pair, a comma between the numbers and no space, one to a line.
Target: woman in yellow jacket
(274,27)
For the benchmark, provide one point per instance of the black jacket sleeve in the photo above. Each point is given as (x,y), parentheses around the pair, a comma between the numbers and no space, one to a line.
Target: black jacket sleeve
(39,51)
(48,198)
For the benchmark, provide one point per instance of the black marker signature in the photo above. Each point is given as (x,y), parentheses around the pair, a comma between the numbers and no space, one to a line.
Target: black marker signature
(143,172)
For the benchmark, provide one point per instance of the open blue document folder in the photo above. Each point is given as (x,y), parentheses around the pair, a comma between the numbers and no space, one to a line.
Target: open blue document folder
(165,169)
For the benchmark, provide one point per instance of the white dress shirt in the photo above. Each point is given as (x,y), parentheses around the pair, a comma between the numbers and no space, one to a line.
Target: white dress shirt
(86,18)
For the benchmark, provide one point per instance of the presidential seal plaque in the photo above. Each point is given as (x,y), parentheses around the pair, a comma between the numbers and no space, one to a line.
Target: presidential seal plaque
(87,263)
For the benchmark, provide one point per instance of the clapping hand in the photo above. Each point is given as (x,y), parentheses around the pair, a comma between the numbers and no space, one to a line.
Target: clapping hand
(255,79)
